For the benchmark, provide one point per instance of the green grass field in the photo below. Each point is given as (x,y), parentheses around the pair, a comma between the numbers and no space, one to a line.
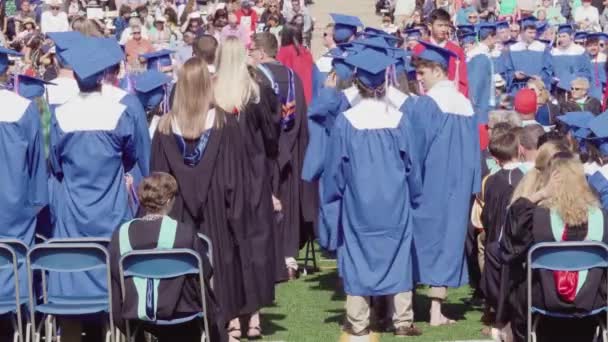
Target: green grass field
(311,309)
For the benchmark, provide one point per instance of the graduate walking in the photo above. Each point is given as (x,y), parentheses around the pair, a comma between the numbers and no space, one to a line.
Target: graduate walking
(443,137)
(368,183)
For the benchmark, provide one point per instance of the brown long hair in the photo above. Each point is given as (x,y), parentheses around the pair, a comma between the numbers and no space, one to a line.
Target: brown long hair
(193,96)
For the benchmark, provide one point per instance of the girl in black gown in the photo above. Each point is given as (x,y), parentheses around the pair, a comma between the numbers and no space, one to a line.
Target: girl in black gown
(202,148)
(239,96)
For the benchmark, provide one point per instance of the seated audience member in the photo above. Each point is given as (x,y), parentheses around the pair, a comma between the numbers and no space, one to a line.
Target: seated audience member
(544,209)
(177,297)
(546,111)
(525,104)
(579,99)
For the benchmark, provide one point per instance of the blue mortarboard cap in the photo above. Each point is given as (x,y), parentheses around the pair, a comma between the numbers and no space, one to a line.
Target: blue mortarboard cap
(113,48)
(157,59)
(466,28)
(370,67)
(598,35)
(402,58)
(576,120)
(468,38)
(485,30)
(338,55)
(413,33)
(501,25)
(89,59)
(376,43)
(30,87)
(65,40)
(599,125)
(436,54)
(345,26)
(580,35)
(4,53)
(390,39)
(541,27)
(149,87)
(527,21)
(565,28)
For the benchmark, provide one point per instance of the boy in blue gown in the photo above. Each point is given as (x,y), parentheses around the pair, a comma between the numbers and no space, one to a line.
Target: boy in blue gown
(598,65)
(526,58)
(368,183)
(23,172)
(93,145)
(345,30)
(481,73)
(443,137)
(569,60)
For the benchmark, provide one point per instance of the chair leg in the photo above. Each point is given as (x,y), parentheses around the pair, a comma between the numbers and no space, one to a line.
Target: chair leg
(534,325)
(28,332)
(48,329)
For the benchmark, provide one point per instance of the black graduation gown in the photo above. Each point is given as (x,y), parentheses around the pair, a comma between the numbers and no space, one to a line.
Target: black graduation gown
(258,124)
(211,197)
(299,199)
(498,189)
(525,225)
(177,297)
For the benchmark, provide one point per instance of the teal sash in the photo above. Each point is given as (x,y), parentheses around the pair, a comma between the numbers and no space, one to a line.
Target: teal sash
(595,232)
(147,289)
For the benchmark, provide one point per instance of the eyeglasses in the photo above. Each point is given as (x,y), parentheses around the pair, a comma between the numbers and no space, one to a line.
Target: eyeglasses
(578,89)
(55,8)
(473,17)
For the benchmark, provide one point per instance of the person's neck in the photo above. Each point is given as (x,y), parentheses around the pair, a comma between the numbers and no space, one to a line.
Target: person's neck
(437,41)
(437,81)
(527,117)
(268,60)
(509,163)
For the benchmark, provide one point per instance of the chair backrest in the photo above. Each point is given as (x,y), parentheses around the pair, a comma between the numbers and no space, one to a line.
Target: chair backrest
(160,263)
(68,257)
(98,240)
(19,248)
(207,242)
(8,258)
(568,256)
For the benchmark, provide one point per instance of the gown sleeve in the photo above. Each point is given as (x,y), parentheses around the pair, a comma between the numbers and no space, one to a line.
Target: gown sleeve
(508,70)
(547,69)
(332,184)
(480,80)
(142,136)
(127,132)
(600,184)
(36,160)
(585,67)
(158,159)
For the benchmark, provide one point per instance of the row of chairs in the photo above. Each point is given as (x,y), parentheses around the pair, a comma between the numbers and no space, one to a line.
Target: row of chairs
(87,254)
(565,256)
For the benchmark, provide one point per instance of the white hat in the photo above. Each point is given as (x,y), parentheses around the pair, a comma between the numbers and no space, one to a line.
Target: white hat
(54,2)
(160,19)
(195,15)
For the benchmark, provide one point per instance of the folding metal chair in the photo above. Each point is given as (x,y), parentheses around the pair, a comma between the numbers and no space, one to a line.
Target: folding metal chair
(10,259)
(164,264)
(565,256)
(68,257)
(207,242)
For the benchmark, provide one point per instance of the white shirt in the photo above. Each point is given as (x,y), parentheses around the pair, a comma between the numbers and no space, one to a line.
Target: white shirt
(54,23)
(588,16)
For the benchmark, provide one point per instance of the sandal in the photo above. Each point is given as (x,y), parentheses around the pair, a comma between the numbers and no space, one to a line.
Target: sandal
(254,333)
(234,333)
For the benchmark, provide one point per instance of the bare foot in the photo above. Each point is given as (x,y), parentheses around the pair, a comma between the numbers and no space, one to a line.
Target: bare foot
(440,319)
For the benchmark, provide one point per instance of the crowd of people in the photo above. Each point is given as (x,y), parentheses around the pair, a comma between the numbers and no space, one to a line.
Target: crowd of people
(428,151)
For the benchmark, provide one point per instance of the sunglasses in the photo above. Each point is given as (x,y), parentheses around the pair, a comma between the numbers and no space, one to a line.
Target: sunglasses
(473,17)
(55,8)
(136,32)
(577,89)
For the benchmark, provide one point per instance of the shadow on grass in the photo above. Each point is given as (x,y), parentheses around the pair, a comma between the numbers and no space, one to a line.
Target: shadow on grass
(327,281)
(269,323)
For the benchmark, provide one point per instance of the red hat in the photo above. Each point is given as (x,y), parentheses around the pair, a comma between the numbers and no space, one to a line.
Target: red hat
(525,101)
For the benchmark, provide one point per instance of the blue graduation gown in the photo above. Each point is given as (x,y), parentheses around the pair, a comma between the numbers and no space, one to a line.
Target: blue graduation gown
(444,139)
(142,138)
(598,76)
(480,73)
(93,145)
(597,177)
(23,177)
(534,59)
(367,186)
(571,63)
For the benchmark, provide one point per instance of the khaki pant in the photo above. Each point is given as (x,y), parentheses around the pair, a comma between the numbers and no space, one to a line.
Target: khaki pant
(358,311)
(439,292)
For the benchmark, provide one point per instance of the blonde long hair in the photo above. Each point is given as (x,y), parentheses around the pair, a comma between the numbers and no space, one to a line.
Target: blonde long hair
(572,196)
(536,178)
(193,96)
(234,85)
